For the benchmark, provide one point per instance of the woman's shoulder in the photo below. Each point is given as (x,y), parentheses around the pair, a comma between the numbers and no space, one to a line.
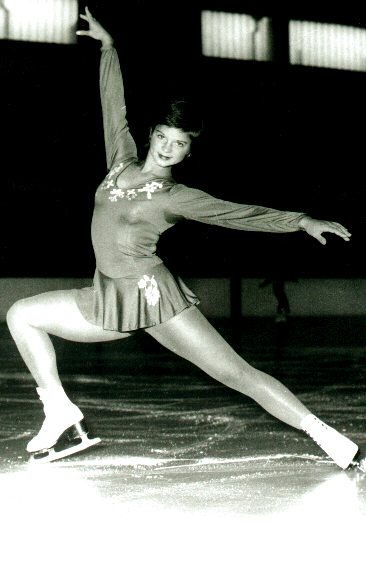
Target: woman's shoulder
(181,191)
(185,200)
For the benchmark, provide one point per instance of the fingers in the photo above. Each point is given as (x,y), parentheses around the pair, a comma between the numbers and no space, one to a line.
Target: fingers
(87,15)
(341,228)
(338,230)
(346,237)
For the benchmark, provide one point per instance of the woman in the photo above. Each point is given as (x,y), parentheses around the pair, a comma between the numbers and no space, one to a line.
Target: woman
(133,290)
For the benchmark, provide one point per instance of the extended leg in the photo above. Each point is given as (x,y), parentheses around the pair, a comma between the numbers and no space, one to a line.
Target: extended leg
(192,337)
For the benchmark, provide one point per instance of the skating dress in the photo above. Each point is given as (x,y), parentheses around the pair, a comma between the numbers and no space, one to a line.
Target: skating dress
(132,289)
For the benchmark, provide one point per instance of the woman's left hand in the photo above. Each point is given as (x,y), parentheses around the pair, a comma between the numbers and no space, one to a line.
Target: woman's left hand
(96,31)
(316,228)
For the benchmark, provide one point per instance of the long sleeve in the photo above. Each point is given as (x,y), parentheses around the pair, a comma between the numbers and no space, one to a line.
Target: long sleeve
(119,143)
(194,204)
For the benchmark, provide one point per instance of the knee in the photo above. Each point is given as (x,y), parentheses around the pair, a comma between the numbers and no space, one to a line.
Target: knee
(17,313)
(245,379)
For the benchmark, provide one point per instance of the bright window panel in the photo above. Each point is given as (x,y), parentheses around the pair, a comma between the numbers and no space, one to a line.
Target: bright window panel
(237,36)
(328,45)
(45,21)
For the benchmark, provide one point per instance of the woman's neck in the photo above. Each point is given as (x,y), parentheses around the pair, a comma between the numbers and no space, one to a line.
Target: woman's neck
(150,168)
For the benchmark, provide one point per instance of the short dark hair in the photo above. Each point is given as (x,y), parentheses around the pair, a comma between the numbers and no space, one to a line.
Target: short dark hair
(180,114)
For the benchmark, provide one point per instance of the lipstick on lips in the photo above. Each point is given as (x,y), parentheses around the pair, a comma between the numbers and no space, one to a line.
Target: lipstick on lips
(162,157)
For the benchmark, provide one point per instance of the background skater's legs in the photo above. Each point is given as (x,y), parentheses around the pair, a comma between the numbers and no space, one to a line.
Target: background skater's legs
(283,307)
(192,337)
(30,322)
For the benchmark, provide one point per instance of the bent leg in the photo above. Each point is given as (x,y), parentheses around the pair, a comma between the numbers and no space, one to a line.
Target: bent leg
(31,321)
(192,337)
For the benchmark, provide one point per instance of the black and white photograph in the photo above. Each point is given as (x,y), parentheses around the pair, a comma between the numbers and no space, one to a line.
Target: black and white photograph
(182,287)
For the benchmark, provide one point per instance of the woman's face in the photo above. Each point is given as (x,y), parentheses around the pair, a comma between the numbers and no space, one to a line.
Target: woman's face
(169,146)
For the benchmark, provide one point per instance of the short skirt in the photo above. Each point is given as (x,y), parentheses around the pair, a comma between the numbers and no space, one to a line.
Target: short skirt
(128,304)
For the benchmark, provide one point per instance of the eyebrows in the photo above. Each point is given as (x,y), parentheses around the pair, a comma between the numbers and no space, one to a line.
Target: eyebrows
(175,139)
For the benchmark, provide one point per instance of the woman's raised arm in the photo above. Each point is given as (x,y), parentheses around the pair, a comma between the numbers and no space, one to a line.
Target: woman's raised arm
(119,143)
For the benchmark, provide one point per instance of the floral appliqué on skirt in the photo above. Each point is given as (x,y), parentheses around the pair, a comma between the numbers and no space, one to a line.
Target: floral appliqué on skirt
(150,285)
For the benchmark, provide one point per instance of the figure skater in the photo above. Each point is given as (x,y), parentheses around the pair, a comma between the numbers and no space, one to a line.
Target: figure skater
(278,288)
(132,289)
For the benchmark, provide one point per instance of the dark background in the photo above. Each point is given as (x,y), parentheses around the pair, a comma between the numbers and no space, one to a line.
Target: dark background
(275,135)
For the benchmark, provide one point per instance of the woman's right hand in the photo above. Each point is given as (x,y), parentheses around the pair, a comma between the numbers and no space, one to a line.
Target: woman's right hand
(96,31)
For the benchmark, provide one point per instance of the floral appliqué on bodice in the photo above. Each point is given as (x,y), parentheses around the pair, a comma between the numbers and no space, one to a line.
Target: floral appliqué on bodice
(130,194)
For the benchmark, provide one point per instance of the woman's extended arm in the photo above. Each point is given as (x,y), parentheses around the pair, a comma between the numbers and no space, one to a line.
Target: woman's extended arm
(119,143)
(194,204)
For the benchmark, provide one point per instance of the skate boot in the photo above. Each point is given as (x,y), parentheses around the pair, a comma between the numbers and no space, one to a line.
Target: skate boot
(64,430)
(342,450)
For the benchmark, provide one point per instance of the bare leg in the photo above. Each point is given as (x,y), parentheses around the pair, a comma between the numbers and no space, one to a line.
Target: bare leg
(192,337)
(32,319)
(30,322)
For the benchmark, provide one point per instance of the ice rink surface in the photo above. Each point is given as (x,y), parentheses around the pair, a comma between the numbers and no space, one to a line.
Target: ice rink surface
(187,468)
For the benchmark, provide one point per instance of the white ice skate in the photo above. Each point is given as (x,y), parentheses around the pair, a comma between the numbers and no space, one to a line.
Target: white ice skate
(340,448)
(64,431)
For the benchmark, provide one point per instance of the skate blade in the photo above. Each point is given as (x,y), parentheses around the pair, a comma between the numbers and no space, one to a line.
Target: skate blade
(52,455)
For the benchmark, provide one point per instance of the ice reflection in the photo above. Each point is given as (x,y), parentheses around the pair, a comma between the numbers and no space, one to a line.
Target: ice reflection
(45,508)
(328,521)
(59,510)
